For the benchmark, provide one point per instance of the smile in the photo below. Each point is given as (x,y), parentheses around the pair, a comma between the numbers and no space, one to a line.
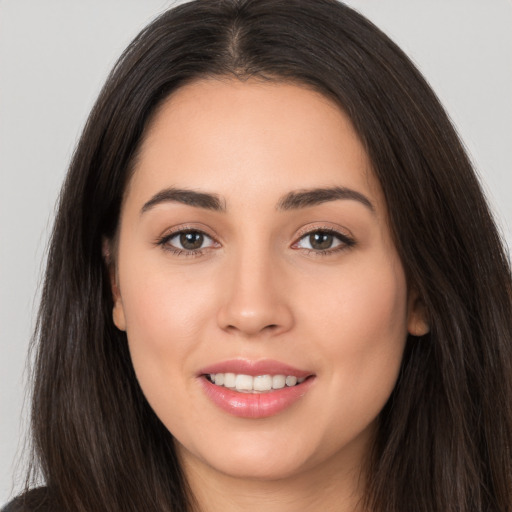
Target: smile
(257,384)
(254,389)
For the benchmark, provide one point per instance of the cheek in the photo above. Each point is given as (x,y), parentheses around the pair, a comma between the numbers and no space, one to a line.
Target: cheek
(366,301)
(376,311)
(165,314)
(360,321)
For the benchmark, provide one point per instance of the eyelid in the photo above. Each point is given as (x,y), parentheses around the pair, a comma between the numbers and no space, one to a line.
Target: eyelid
(323,226)
(163,239)
(343,234)
(172,236)
(181,228)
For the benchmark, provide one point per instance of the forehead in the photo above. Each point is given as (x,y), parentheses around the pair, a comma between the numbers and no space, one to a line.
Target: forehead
(227,135)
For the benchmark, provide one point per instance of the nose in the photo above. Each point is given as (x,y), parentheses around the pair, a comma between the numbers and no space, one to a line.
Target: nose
(256,301)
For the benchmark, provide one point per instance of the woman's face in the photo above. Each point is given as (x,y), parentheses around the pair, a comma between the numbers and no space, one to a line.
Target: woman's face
(254,252)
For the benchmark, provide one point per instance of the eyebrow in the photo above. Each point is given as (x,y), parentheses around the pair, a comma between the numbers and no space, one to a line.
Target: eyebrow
(188,197)
(292,201)
(312,197)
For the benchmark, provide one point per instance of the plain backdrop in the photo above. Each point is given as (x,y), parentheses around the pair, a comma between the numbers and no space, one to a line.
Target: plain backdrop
(54,57)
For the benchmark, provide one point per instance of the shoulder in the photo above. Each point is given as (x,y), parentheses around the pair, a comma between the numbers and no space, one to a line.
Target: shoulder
(35,500)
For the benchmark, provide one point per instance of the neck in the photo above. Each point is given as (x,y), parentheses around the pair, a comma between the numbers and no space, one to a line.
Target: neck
(330,488)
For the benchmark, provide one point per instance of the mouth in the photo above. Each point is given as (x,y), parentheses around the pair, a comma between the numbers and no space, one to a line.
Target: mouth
(255,389)
(254,384)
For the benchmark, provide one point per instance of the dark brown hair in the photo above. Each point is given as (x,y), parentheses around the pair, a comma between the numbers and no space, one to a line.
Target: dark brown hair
(445,436)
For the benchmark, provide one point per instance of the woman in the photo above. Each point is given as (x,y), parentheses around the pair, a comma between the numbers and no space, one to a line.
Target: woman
(273,282)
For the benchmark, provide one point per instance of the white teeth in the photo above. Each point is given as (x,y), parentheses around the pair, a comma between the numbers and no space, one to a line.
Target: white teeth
(259,383)
(229,380)
(291,380)
(278,381)
(262,383)
(243,383)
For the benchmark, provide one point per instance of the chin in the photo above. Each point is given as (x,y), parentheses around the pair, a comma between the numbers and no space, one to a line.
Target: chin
(255,467)
(259,455)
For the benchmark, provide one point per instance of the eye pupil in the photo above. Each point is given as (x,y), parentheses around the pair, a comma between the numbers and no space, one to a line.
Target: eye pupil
(321,240)
(191,240)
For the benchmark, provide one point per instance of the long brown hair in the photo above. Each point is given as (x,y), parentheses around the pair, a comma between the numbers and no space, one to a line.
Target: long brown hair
(445,436)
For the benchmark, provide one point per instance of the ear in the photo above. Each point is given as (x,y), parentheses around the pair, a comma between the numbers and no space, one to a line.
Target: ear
(118,311)
(417,318)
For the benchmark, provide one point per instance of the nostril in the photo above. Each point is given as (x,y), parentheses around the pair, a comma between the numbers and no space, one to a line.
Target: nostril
(242,317)
(268,328)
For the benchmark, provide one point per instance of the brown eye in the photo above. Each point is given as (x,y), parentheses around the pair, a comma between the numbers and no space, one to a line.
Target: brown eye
(324,241)
(321,240)
(191,240)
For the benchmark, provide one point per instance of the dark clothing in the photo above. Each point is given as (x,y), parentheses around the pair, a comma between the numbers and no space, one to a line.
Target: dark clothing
(35,500)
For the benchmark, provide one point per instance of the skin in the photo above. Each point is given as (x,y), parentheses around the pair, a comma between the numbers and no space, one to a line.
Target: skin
(257,290)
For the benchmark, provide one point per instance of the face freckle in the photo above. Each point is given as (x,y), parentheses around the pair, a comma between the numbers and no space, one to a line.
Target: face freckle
(254,240)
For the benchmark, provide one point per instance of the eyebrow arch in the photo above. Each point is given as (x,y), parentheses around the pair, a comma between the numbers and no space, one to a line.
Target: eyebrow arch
(184,196)
(312,197)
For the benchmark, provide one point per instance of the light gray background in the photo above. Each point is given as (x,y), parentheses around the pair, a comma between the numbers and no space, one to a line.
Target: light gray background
(54,57)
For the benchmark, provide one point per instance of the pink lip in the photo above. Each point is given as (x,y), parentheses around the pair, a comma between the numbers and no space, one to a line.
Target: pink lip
(254,405)
(253,368)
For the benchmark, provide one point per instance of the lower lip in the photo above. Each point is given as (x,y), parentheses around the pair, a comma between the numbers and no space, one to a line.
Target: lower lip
(255,405)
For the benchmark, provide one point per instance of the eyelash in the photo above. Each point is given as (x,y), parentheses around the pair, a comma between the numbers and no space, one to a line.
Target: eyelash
(346,242)
(164,243)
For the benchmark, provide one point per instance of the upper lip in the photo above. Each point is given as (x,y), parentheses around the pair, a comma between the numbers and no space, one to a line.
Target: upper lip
(254,368)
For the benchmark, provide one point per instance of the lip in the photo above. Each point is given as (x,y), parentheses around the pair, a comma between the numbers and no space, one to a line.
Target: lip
(253,368)
(255,405)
